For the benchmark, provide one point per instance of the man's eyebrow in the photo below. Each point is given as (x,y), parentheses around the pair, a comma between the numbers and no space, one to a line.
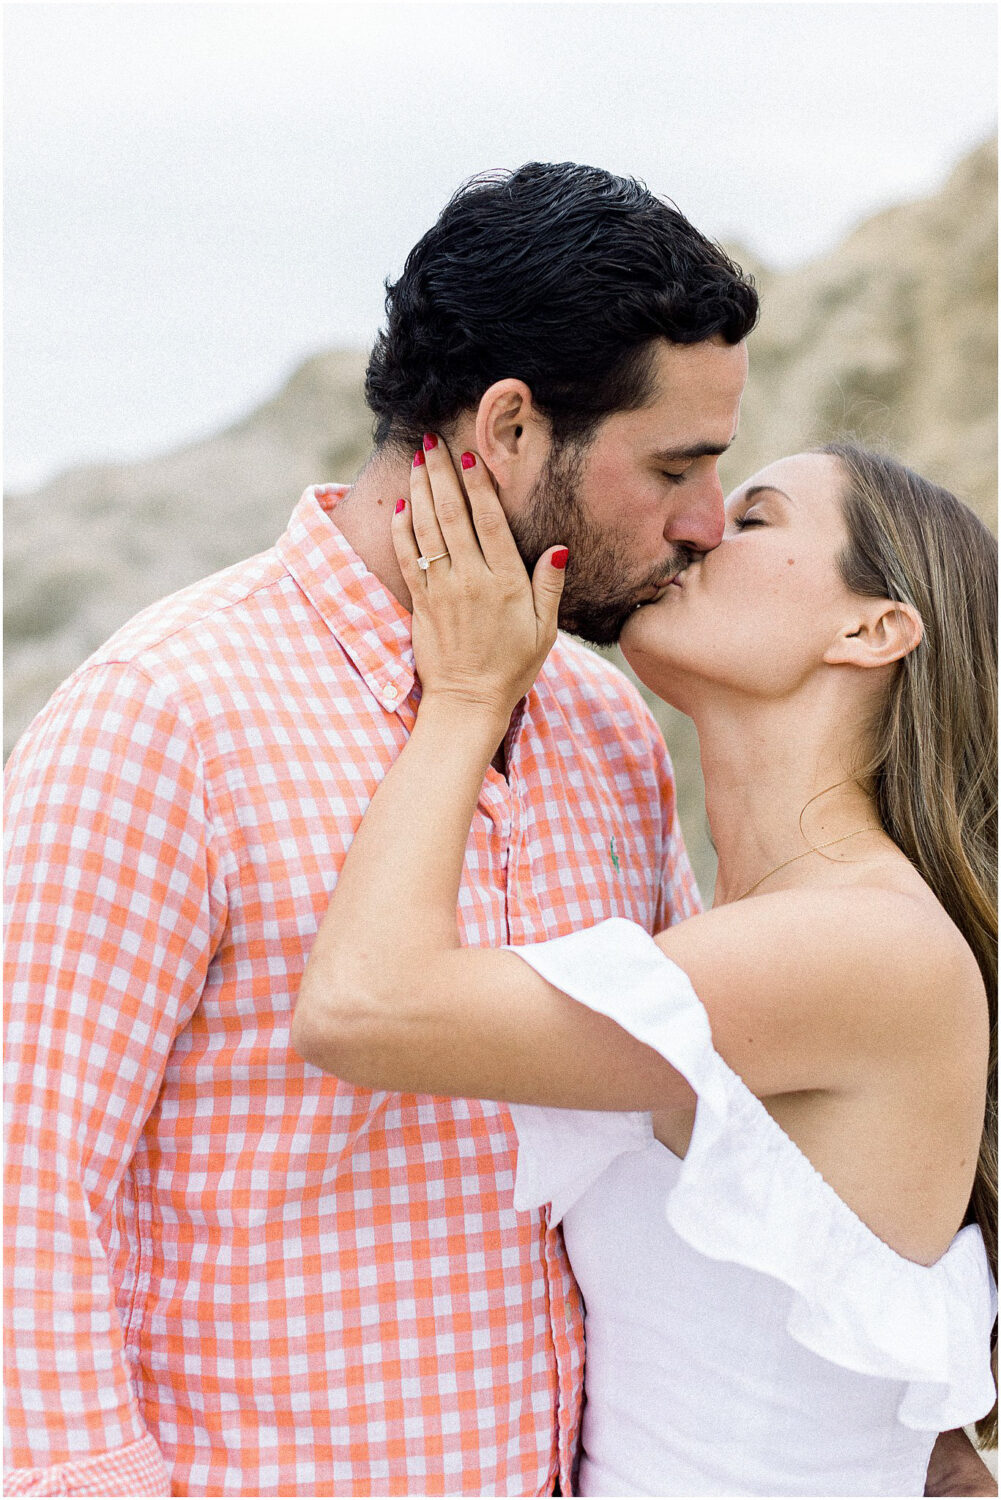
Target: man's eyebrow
(697,450)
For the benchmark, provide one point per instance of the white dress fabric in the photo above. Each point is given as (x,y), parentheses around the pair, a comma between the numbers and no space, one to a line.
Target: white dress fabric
(746,1332)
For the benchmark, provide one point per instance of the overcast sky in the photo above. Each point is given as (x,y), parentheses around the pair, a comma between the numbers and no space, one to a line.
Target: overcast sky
(199,196)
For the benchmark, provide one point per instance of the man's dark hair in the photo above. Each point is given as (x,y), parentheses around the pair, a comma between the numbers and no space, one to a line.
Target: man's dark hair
(559,275)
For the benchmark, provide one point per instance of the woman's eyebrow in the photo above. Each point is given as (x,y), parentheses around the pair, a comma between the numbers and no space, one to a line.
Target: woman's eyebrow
(761,489)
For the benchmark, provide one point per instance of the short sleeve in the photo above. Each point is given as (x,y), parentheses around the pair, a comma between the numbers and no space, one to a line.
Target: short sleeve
(616,969)
(562,1152)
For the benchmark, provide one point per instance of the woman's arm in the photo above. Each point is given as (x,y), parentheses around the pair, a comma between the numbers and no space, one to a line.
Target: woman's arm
(390,999)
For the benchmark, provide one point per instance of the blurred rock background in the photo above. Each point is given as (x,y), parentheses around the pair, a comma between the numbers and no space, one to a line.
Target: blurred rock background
(891,337)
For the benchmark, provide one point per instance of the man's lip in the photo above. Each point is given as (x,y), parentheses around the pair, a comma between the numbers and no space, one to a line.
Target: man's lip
(661,590)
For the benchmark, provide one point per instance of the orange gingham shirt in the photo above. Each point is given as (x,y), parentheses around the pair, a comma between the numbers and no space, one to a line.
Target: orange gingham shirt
(227,1272)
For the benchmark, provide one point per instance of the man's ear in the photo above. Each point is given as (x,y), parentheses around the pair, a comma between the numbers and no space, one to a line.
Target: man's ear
(511,436)
(882,632)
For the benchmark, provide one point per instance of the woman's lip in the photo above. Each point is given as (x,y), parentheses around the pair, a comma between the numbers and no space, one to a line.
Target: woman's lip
(658,594)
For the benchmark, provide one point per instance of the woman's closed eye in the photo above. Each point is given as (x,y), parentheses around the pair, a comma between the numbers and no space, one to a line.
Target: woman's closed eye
(742,522)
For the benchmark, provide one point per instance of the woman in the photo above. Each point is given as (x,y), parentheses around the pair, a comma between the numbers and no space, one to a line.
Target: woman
(764,1130)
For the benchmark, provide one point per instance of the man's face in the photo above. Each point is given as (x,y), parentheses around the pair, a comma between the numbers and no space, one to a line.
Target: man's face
(642,496)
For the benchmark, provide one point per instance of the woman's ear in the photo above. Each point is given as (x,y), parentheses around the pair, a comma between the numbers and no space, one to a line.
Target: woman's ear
(511,438)
(883,631)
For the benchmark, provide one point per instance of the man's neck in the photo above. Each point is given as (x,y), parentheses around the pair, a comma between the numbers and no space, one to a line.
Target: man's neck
(365,514)
(363,518)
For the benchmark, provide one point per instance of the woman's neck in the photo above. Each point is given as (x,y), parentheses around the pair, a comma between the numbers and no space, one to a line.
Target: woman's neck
(776,786)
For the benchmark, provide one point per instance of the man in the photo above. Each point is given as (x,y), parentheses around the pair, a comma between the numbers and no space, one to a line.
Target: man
(228,1273)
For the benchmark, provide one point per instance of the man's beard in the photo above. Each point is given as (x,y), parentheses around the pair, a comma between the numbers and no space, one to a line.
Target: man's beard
(601,591)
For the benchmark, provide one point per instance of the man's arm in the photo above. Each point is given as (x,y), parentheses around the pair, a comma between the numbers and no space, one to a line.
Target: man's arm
(109,931)
(955,1468)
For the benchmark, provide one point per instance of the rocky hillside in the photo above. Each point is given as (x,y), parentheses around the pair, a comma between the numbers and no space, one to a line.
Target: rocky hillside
(891,336)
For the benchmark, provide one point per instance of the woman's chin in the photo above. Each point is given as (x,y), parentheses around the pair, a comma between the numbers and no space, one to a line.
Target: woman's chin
(645,634)
(643,649)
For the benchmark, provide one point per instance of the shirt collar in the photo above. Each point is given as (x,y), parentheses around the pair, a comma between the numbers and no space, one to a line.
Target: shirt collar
(370,625)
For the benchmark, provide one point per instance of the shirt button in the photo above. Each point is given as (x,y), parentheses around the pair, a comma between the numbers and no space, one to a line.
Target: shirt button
(392,692)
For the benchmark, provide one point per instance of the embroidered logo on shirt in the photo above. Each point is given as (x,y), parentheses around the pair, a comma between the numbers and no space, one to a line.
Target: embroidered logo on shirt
(615,857)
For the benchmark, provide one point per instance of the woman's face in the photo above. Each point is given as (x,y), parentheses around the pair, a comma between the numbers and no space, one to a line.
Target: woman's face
(756,614)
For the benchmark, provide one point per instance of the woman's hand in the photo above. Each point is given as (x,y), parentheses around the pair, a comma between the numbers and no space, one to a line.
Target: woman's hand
(481,627)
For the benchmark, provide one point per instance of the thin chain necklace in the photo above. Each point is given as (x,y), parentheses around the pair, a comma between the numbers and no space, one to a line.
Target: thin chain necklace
(815,850)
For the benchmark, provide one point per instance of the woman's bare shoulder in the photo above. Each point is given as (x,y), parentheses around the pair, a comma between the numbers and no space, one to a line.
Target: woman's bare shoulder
(880,955)
(931,959)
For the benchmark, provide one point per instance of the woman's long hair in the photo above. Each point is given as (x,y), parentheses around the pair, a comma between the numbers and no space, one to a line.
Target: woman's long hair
(934,763)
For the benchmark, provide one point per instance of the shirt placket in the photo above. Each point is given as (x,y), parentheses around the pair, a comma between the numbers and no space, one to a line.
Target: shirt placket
(495,801)
(524,919)
(525,925)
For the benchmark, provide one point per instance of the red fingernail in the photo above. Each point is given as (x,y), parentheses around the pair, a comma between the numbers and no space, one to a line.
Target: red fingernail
(430,441)
(560,556)
(399,506)
(468,460)
(418,459)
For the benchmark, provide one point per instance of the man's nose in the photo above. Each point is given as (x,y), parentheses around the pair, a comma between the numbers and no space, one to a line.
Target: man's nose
(702,522)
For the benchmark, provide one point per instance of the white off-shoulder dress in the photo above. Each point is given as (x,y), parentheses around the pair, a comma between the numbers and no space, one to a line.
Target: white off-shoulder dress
(747,1334)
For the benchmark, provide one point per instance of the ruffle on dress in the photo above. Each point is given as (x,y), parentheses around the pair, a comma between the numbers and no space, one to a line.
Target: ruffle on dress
(746,1193)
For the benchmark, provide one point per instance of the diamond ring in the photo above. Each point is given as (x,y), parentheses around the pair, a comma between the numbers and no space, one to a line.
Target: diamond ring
(425,562)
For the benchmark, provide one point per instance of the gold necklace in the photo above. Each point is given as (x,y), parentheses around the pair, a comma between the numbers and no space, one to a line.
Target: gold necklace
(816,850)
